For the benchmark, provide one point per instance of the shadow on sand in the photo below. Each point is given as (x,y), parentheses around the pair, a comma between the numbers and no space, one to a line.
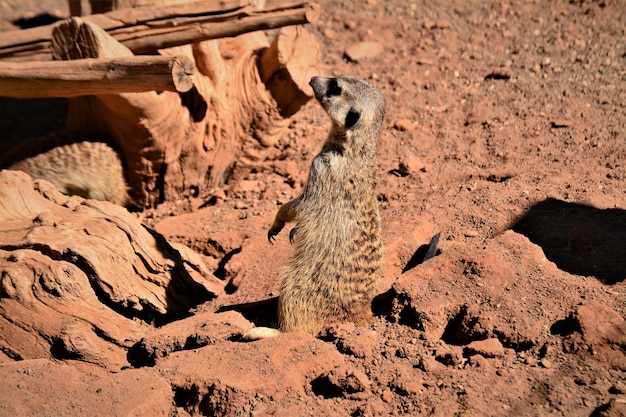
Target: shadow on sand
(579,239)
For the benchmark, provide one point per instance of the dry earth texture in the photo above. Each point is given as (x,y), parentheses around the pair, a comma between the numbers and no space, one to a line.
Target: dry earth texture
(506,133)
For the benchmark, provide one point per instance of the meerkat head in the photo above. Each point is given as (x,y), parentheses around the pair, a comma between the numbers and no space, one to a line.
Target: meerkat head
(352,104)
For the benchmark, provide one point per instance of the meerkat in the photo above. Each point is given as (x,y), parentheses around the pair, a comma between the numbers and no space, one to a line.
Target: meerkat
(74,165)
(337,258)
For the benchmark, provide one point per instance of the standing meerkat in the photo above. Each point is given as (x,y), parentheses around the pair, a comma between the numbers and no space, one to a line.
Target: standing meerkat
(338,252)
(74,165)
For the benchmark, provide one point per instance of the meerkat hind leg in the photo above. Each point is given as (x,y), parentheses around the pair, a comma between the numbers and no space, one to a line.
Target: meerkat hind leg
(259,333)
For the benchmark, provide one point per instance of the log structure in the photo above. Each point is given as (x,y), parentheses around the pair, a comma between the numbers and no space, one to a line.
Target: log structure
(147,29)
(96,76)
(181,144)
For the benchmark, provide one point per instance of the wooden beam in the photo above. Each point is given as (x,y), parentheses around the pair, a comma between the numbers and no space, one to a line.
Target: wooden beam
(148,29)
(96,76)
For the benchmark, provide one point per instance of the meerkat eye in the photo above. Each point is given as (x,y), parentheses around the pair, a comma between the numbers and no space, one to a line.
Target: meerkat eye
(352,117)
(333,88)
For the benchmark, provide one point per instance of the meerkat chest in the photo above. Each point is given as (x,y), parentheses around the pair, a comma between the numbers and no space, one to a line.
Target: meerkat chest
(335,176)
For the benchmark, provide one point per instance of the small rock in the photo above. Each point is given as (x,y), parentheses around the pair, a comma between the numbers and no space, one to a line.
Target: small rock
(478,361)
(546,363)
(410,163)
(329,33)
(350,24)
(349,381)
(407,385)
(387,396)
(404,125)
(450,355)
(363,50)
(442,24)
(560,123)
(600,324)
(489,348)
(288,169)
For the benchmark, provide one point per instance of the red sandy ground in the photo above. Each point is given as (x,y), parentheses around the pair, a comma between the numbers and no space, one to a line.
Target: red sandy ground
(506,133)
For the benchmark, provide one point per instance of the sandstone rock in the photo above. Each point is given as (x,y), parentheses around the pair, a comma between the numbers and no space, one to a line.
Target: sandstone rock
(84,279)
(404,125)
(600,325)
(489,348)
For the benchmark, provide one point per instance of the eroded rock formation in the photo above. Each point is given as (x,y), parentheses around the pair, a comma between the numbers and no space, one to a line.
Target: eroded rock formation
(84,279)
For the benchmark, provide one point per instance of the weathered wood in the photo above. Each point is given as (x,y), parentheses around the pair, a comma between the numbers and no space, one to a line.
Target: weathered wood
(92,269)
(95,76)
(147,29)
(294,53)
(190,144)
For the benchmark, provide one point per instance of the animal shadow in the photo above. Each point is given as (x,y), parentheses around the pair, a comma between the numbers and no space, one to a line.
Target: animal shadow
(579,239)
(262,313)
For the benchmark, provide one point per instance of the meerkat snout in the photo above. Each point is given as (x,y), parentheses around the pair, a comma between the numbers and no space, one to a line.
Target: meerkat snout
(324,88)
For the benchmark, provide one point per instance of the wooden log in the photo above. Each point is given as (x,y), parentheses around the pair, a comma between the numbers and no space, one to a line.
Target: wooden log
(124,116)
(287,66)
(190,144)
(148,29)
(96,76)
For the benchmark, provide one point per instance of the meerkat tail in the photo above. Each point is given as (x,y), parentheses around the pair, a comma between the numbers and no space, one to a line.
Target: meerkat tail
(259,333)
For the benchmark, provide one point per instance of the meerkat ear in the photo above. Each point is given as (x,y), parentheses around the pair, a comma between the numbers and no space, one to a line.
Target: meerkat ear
(352,117)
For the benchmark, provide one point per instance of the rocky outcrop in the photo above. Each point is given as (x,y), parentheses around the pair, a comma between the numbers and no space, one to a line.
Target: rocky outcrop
(84,279)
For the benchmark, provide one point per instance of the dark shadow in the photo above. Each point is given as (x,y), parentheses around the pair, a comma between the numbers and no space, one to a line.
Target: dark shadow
(565,327)
(424,253)
(25,118)
(262,313)
(195,103)
(39,20)
(498,75)
(382,304)
(579,239)
(183,292)
(327,389)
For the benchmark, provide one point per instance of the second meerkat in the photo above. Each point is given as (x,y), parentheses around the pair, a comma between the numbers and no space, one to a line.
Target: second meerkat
(338,252)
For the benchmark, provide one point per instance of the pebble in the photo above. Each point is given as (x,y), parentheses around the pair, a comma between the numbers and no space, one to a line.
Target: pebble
(387,396)
(546,363)
(560,123)
(363,50)
(403,125)
(489,348)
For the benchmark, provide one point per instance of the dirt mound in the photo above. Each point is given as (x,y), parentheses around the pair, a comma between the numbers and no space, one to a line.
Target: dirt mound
(505,134)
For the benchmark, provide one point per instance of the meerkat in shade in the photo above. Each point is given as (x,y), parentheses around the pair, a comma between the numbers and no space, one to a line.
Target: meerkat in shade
(74,165)
(337,259)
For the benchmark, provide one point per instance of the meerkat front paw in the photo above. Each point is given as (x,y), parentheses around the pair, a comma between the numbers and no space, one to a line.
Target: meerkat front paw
(274,230)
(292,234)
